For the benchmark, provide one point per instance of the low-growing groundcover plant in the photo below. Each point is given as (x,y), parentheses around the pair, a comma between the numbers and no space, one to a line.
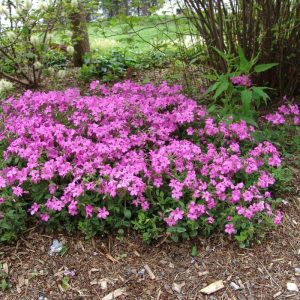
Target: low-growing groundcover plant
(132,156)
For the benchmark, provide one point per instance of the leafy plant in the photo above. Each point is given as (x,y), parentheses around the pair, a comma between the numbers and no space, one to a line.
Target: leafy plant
(234,89)
(13,219)
(4,285)
(107,68)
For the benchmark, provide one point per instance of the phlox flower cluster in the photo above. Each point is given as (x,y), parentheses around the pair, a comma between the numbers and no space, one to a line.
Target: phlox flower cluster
(286,114)
(242,80)
(126,139)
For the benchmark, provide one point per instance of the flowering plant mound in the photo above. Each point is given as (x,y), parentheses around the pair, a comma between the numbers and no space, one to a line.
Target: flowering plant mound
(141,156)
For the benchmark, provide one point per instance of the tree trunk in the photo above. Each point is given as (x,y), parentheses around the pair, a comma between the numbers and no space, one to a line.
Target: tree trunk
(126,7)
(80,35)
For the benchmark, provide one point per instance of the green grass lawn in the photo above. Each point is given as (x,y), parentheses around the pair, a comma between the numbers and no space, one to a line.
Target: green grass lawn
(137,33)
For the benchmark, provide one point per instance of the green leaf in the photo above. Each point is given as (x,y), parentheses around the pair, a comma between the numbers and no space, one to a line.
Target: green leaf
(249,120)
(194,251)
(244,63)
(4,285)
(127,213)
(222,54)
(246,100)
(63,251)
(264,67)
(212,88)
(176,229)
(222,87)
(180,229)
(260,92)
(211,108)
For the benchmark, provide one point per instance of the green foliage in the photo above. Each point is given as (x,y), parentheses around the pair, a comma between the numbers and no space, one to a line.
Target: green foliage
(267,29)
(150,227)
(56,59)
(153,59)
(24,44)
(108,68)
(12,219)
(239,100)
(64,285)
(4,285)
(286,137)
(283,177)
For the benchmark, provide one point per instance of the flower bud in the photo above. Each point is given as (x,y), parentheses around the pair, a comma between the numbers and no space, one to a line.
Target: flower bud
(70,49)
(5,86)
(27,4)
(34,40)
(18,12)
(43,6)
(37,65)
(11,35)
(74,3)
(3,10)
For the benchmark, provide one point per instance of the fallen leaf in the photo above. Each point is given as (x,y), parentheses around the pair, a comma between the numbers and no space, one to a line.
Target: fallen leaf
(213,287)
(5,268)
(277,294)
(150,273)
(111,258)
(94,270)
(177,286)
(292,287)
(234,286)
(94,282)
(241,284)
(103,284)
(203,273)
(116,293)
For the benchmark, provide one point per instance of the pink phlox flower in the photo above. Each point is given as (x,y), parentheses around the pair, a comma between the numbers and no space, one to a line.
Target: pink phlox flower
(45,217)
(89,209)
(278,218)
(103,213)
(174,217)
(34,208)
(242,80)
(229,229)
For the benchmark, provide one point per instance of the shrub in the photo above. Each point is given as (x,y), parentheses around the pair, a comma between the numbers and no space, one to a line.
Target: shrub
(109,67)
(265,28)
(24,43)
(56,59)
(141,156)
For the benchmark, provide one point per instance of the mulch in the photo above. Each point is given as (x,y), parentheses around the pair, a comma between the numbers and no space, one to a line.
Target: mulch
(102,265)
